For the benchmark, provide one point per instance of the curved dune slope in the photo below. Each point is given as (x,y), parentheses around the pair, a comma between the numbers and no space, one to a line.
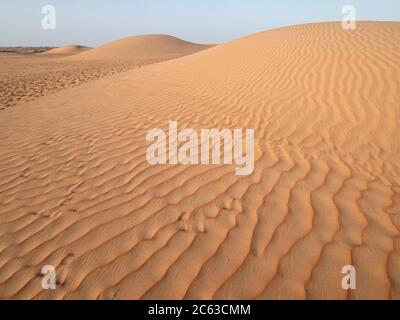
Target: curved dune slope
(67,50)
(141,49)
(77,193)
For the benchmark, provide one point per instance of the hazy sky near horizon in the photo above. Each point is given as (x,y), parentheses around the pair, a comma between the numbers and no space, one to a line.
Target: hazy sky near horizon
(95,22)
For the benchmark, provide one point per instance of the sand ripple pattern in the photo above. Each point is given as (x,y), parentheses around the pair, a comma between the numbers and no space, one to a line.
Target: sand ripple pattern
(25,79)
(76,191)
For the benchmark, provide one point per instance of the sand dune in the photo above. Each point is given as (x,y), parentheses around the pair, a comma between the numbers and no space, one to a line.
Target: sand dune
(77,193)
(67,50)
(142,49)
(25,78)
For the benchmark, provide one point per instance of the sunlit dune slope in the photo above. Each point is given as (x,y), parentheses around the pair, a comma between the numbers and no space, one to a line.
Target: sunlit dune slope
(142,49)
(76,191)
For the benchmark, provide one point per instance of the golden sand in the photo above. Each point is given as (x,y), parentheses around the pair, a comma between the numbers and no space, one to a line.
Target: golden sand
(77,193)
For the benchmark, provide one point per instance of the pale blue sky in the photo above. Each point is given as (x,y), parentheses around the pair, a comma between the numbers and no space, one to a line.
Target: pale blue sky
(94,22)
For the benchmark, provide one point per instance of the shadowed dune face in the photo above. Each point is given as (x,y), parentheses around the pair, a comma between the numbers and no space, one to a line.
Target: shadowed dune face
(142,49)
(77,193)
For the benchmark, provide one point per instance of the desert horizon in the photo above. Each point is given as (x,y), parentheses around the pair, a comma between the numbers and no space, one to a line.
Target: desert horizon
(155,168)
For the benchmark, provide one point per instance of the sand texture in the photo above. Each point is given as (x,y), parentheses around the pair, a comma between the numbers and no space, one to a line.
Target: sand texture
(76,191)
(25,77)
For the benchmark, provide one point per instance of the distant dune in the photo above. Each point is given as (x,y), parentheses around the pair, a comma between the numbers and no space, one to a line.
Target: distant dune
(67,50)
(24,78)
(142,49)
(76,191)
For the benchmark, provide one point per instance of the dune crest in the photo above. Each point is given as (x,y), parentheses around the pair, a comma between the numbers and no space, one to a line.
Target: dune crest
(142,49)
(77,193)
